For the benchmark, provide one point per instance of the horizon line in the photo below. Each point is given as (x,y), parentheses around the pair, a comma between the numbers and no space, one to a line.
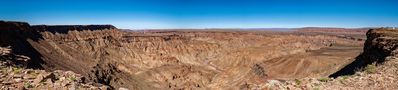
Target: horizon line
(304,26)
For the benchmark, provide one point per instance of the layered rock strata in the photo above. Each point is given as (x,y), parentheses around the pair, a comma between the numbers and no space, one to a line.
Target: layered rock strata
(179,59)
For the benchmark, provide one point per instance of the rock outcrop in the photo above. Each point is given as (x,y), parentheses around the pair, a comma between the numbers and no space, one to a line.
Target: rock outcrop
(38,43)
(380,45)
(14,75)
(17,35)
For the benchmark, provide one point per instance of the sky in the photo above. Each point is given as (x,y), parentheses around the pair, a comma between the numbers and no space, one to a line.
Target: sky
(174,14)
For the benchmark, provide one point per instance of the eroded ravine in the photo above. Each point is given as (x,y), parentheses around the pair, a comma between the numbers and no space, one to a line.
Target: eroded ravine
(188,59)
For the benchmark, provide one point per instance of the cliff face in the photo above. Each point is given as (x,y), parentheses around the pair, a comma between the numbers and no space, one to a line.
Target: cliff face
(379,63)
(81,49)
(42,45)
(381,44)
(182,59)
(17,35)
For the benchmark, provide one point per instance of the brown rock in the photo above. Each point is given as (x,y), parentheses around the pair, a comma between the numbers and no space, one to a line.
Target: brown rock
(42,77)
(28,76)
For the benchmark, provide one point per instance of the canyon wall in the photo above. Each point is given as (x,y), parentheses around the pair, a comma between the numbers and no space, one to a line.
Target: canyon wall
(40,43)
(17,35)
(178,59)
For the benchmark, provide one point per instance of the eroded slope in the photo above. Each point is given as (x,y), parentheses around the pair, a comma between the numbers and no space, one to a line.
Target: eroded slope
(197,59)
(375,69)
(189,59)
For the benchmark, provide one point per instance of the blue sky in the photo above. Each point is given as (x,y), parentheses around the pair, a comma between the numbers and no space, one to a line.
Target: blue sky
(154,14)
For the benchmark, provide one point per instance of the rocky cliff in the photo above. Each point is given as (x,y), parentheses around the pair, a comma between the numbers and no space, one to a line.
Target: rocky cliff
(40,44)
(380,45)
(14,75)
(17,35)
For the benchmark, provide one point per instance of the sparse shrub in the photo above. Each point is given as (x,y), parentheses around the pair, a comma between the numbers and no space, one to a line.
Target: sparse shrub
(28,85)
(345,77)
(298,82)
(17,70)
(72,78)
(371,68)
(324,79)
(316,88)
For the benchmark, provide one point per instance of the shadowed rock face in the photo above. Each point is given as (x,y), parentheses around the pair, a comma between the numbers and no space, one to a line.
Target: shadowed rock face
(184,59)
(12,30)
(380,44)
(17,35)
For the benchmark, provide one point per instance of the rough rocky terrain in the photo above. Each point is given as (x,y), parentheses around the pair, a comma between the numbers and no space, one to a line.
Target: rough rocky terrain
(185,59)
(15,76)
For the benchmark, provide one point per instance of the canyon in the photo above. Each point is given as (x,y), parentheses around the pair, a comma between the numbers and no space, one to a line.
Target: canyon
(376,68)
(195,59)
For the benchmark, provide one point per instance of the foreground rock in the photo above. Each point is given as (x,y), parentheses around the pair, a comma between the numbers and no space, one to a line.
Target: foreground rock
(15,76)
